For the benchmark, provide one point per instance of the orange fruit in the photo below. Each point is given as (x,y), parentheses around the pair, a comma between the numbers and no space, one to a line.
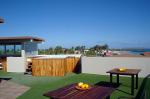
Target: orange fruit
(80,84)
(86,86)
(122,69)
(83,86)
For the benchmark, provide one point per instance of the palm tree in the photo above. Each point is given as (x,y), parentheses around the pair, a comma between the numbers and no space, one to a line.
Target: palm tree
(50,50)
(78,48)
(82,49)
(105,47)
(58,50)
(71,50)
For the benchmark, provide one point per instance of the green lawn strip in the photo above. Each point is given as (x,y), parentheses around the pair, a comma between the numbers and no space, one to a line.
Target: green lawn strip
(125,88)
(40,85)
(148,88)
(38,90)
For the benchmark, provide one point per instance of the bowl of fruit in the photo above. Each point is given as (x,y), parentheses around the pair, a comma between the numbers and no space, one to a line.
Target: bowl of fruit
(82,86)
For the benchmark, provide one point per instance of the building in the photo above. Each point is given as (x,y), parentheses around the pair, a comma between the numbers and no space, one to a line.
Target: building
(14,50)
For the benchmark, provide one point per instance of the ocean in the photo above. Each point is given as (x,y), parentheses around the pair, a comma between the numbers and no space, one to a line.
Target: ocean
(139,51)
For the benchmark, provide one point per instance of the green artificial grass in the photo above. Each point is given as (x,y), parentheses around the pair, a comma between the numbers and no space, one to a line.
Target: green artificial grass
(40,85)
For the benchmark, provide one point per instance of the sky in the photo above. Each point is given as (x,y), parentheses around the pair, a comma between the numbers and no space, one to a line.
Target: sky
(118,23)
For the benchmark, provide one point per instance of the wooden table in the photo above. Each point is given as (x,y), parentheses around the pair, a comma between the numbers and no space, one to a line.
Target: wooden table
(130,72)
(70,92)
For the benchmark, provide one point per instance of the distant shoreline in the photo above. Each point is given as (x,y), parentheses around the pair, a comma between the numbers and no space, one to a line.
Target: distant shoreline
(133,53)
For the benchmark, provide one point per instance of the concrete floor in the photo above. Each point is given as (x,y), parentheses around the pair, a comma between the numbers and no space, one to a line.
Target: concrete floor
(11,90)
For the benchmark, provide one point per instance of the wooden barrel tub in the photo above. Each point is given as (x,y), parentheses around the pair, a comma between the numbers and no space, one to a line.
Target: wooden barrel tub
(54,66)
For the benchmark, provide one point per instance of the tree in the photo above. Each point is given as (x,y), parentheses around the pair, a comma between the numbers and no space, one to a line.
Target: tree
(78,48)
(100,47)
(41,51)
(105,47)
(58,50)
(95,50)
(82,48)
(50,50)
(71,50)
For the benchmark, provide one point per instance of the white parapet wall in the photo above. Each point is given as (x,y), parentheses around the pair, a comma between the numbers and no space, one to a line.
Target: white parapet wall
(59,56)
(99,65)
(16,64)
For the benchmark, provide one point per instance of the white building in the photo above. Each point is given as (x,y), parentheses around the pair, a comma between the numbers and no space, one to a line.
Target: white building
(14,50)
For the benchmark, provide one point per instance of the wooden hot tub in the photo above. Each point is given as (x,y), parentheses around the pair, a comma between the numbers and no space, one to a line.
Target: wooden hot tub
(54,66)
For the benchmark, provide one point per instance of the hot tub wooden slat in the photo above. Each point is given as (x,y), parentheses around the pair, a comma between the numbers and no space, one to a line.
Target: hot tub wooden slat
(53,66)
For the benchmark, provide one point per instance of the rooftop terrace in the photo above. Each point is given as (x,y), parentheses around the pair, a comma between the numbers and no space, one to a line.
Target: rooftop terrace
(40,85)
